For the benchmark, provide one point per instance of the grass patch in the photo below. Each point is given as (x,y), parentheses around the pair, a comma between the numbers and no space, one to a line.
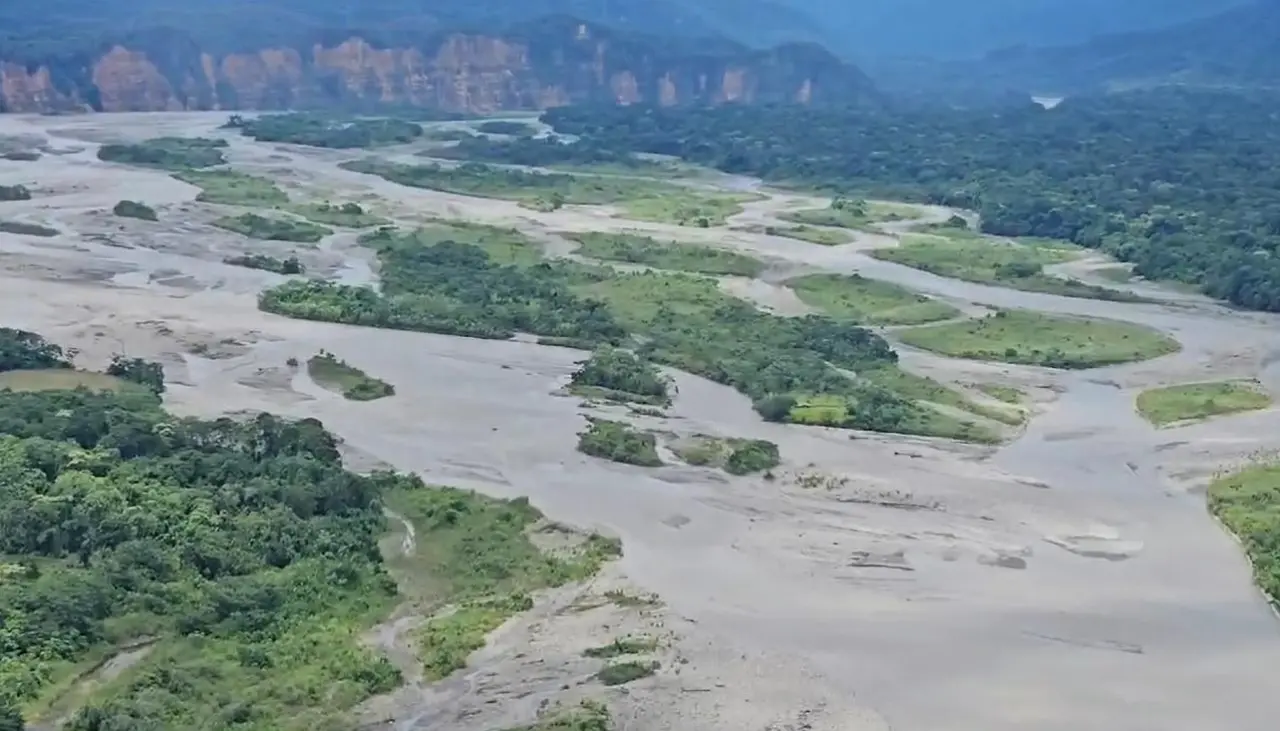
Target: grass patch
(288,265)
(344,215)
(621,673)
(27,229)
(586,716)
(474,554)
(167,153)
(853,214)
(1196,401)
(133,209)
(1248,504)
(647,200)
(1032,338)
(1007,394)
(811,234)
(60,379)
(685,207)
(502,246)
(273,229)
(673,255)
(618,442)
(341,377)
(868,301)
(621,647)
(973,258)
(232,188)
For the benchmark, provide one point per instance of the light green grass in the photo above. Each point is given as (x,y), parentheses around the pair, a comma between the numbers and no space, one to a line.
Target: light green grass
(343,215)
(868,301)
(505,246)
(1007,394)
(673,255)
(811,234)
(474,555)
(1248,504)
(1196,401)
(60,379)
(685,207)
(863,218)
(233,188)
(1032,338)
(340,377)
(973,258)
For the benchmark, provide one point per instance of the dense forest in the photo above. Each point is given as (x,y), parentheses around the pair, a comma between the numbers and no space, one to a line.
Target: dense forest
(1184,184)
(221,545)
(325,131)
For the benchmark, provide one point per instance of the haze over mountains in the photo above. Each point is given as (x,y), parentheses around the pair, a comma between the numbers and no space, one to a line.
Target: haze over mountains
(502,54)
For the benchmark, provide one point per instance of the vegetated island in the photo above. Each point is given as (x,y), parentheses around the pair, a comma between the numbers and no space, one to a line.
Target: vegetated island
(618,442)
(273,229)
(735,456)
(337,375)
(1198,401)
(319,130)
(27,229)
(133,209)
(488,282)
(674,255)
(868,301)
(287,265)
(256,591)
(14,193)
(618,375)
(167,153)
(1248,504)
(1033,338)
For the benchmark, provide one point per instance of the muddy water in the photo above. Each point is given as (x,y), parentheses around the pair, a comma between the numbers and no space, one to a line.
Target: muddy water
(1067,580)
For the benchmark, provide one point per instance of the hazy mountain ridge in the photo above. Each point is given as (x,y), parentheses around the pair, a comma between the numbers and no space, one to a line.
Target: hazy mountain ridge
(239,62)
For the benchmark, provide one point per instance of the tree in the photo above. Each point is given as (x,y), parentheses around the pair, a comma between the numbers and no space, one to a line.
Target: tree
(11,718)
(137,370)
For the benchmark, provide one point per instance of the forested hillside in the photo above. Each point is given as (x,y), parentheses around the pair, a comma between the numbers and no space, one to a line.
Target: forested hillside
(1184,184)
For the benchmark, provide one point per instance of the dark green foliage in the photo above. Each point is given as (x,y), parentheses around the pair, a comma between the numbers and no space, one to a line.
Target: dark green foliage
(450,288)
(273,229)
(504,127)
(288,265)
(27,229)
(322,131)
(218,538)
(622,646)
(168,153)
(23,350)
(14,193)
(621,673)
(617,442)
(144,372)
(1189,190)
(775,408)
(620,372)
(754,455)
(21,156)
(11,717)
(133,209)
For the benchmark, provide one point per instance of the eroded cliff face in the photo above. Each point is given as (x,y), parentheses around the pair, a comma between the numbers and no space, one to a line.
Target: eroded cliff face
(457,72)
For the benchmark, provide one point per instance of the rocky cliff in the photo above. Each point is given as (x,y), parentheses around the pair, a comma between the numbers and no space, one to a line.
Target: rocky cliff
(551,63)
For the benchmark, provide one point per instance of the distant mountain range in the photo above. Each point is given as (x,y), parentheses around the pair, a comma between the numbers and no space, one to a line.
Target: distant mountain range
(457,55)
(1239,47)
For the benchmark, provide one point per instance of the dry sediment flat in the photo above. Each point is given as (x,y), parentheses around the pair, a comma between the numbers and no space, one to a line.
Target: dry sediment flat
(1069,580)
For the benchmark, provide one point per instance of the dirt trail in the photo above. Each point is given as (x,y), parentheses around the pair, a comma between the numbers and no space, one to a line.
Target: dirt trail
(1070,579)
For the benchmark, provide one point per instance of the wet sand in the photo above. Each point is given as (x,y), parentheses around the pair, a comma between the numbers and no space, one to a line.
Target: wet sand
(1070,579)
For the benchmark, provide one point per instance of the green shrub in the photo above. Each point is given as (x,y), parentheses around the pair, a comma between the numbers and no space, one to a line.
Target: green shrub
(338,375)
(622,673)
(168,153)
(273,229)
(288,265)
(617,442)
(27,229)
(756,455)
(622,373)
